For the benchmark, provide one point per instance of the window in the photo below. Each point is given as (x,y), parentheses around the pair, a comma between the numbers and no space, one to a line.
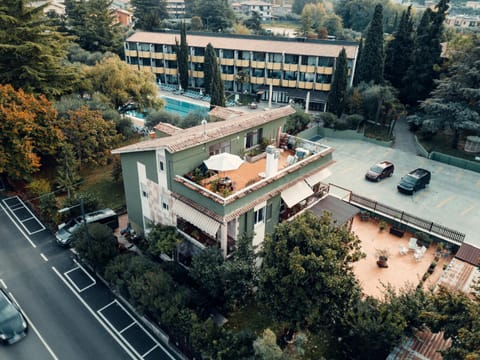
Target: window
(219,148)
(269,212)
(144,47)
(164,205)
(143,189)
(254,138)
(161,166)
(259,216)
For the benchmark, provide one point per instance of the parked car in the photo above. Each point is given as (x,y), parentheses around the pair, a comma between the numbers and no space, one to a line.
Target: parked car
(415,180)
(13,326)
(380,171)
(105,216)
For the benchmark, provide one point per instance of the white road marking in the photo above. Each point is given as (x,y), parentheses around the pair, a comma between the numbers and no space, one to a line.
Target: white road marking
(112,334)
(18,227)
(43,257)
(67,274)
(21,207)
(30,323)
(3,284)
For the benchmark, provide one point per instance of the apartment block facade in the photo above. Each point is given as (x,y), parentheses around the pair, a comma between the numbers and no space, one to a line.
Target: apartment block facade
(166,181)
(295,69)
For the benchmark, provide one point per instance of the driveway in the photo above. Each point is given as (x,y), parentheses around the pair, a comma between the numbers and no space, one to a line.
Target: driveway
(452,199)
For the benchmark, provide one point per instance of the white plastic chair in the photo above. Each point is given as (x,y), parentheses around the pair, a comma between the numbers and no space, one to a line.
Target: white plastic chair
(412,245)
(420,253)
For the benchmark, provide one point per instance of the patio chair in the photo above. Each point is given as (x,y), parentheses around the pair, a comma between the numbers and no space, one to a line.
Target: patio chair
(412,245)
(420,253)
(403,250)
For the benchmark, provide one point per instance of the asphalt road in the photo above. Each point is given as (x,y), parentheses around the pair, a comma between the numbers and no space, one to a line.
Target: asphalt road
(71,314)
(452,198)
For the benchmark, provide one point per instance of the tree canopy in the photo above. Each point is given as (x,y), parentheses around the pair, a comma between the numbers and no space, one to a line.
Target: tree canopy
(370,66)
(29,132)
(216,15)
(94,25)
(306,277)
(149,14)
(117,83)
(32,52)
(455,103)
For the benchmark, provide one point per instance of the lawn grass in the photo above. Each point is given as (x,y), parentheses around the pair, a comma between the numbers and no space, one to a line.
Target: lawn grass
(253,317)
(99,182)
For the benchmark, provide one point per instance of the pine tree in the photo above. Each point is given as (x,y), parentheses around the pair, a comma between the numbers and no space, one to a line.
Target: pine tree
(149,13)
(208,65)
(93,24)
(182,56)
(32,52)
(420,78)
(336,96)
(370,67)
(399,51)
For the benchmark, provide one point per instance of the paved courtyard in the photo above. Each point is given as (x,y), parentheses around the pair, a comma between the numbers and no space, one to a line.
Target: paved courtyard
(452,199)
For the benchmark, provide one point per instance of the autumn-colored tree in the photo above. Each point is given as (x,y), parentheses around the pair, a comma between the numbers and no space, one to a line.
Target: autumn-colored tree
(119,83)
(29,132)
(92,137)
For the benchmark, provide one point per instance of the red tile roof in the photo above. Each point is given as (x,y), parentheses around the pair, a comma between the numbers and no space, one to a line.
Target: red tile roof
(202,134)
(469,254)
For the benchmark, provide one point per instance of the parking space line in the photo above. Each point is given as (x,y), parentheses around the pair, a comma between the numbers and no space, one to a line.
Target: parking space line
(149,351)
(67,275)
(43,257)
(17,226)
(30,323)
(136,323)
(3,284)
(446,201)
(107,328)
(467,210)
(22,206)
(127,327)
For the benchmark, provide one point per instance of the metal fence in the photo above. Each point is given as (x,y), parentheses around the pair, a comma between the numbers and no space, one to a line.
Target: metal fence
(407,219)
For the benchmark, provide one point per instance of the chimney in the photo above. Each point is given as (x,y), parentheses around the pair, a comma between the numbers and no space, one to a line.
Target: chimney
(273,154)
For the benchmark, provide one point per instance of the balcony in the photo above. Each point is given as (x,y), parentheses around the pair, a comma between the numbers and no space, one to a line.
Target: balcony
(290,67)
(257,80)
(258,64)
(144,54)
(171,57)
(325,70)
(322,87)
(307,68)
(224,61)
(274,82)
(243,63)
(295,153)
(131,53)
(170,71)
(289,83)
(197,74)
(274,66)
(159,70)
(305,85)
(197,59)
(228,77)
(157,56)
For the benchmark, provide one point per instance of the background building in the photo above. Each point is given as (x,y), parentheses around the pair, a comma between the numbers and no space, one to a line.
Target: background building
(293,67)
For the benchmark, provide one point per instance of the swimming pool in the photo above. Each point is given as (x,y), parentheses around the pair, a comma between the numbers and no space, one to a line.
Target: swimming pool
(182,108)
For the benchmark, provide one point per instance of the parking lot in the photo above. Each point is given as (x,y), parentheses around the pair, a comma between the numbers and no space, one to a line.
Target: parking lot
(452,199)
(120,321)
(23,215)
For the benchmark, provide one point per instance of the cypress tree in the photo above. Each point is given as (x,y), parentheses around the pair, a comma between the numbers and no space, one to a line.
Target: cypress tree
(182,56)
(216,87)
(420,78)
(399,51)
(336,96)
(359,55)
(371,63)
(208,64)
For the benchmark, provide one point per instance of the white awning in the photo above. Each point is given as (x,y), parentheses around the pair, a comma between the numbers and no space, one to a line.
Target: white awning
(317,177)
(296,193)
(195,217)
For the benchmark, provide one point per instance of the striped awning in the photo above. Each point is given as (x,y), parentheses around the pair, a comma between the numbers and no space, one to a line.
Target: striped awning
(195,217)
(296,193)
(317,177)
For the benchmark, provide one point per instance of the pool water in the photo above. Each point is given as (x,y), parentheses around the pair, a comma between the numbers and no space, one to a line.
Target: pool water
(182,108)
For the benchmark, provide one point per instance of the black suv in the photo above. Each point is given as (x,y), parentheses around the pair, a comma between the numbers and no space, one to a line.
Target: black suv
(414,180)
(380,171)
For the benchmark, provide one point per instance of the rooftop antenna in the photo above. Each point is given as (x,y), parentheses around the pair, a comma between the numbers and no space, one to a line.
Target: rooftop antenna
(204,123)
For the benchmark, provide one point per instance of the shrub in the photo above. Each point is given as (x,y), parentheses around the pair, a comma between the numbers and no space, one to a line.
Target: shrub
(38,187)
(328,119)
(354,121)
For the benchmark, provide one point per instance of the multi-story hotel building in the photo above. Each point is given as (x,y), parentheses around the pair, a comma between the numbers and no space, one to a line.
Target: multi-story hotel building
(296,69)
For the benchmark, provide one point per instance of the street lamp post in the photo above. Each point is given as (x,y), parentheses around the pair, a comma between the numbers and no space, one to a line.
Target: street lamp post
(84,220)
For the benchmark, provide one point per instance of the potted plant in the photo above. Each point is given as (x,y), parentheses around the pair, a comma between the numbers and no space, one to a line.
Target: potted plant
(383,255)
(382,225)
(431,268)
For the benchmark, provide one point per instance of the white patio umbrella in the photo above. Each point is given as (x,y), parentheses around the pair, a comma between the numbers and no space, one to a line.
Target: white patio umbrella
(223,162)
